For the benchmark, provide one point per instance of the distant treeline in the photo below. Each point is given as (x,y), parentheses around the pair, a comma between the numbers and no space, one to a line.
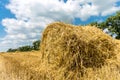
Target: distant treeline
(35,46)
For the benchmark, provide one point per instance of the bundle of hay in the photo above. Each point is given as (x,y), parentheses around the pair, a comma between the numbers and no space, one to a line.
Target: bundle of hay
(75,48)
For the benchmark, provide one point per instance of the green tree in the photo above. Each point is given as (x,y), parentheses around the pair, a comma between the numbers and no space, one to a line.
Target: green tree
(36,45)
(11,50)
(113,24)
(25,48)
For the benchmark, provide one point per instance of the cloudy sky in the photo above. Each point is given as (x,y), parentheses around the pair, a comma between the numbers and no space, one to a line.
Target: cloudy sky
(22,21)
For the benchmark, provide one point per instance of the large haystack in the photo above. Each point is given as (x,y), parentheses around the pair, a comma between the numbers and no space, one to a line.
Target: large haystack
(75,47)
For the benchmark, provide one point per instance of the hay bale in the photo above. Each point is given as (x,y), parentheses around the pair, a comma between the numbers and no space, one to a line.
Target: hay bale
(75,47)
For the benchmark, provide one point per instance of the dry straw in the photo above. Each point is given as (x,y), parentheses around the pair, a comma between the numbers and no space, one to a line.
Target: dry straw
(72,49)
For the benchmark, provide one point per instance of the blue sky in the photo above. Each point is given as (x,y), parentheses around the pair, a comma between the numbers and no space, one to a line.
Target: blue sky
(22,22)
(4,13)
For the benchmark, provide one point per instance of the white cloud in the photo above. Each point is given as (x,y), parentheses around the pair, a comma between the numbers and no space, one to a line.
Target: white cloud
(32,16)
(105,7)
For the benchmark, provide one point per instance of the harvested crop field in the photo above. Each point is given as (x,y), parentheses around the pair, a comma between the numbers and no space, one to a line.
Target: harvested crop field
(67,52)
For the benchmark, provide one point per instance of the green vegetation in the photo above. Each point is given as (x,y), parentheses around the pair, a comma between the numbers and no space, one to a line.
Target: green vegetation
(112,24)
(11,50)
(35,46)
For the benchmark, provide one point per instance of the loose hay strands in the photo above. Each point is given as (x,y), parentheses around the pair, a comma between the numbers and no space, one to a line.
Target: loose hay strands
(74,49)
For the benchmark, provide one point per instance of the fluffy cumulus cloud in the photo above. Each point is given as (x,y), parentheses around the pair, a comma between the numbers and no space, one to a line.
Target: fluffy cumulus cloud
(32,16)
